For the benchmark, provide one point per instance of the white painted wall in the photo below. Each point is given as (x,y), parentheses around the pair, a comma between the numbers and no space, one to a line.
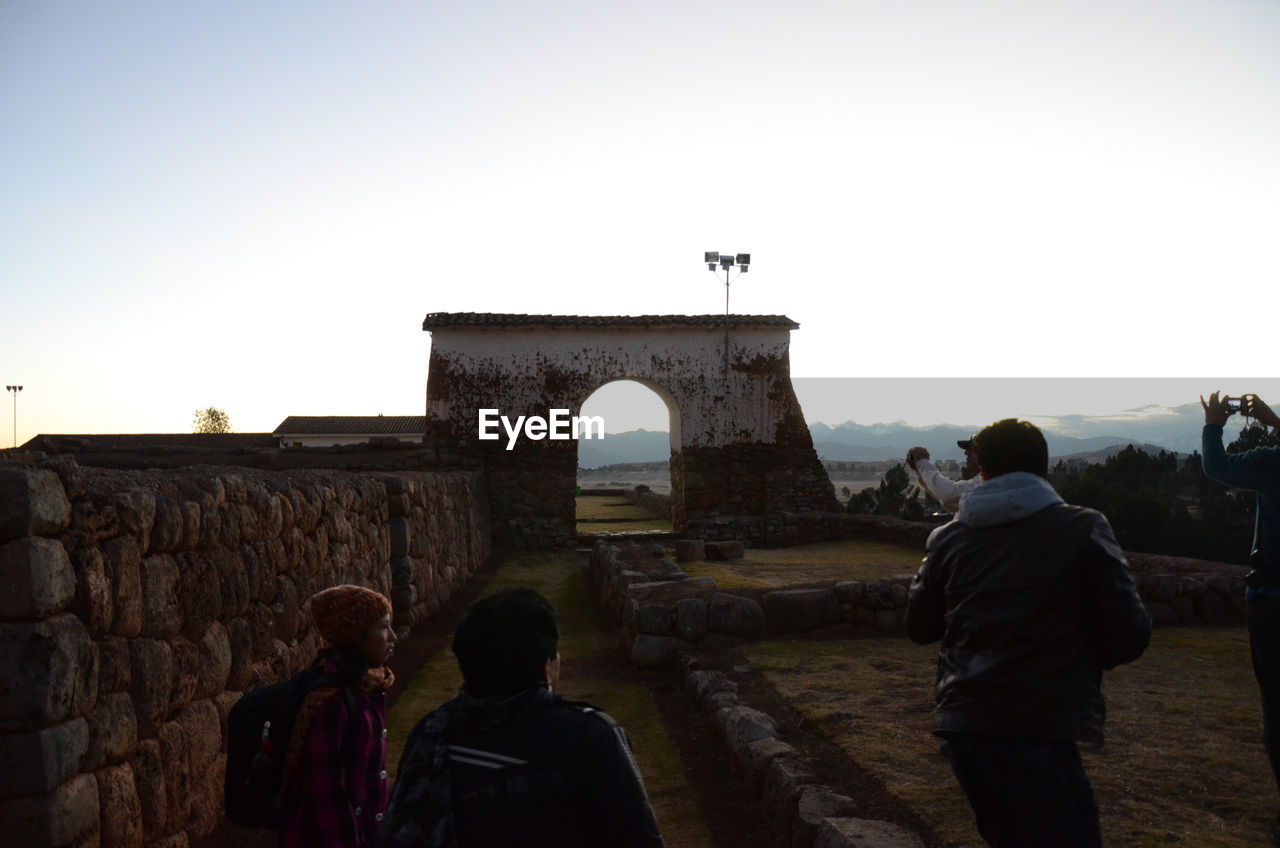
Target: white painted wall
(683,365)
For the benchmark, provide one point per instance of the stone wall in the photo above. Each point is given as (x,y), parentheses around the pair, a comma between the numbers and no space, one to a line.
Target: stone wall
(657,505)
(662,611)
(139,606)
(738,439)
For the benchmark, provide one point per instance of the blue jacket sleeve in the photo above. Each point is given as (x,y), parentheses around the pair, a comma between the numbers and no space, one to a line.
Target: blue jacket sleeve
(1254,469)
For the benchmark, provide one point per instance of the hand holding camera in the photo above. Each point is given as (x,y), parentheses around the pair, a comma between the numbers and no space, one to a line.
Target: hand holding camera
(1216,411)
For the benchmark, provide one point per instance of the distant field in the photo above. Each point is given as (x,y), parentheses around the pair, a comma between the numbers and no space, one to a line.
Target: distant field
(1183,763)
(845,559)
(614,514)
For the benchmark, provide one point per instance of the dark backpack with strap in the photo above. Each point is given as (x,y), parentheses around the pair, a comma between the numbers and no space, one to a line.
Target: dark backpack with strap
(259,728)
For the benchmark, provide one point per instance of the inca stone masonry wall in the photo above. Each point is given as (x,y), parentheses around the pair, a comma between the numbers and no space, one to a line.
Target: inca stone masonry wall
(138,606)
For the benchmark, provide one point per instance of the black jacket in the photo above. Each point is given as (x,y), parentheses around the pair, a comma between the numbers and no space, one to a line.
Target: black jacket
(529,770)
(1032,599)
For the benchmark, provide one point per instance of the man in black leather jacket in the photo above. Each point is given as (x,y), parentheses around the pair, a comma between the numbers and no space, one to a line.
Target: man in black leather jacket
(1032,599)
(506,762)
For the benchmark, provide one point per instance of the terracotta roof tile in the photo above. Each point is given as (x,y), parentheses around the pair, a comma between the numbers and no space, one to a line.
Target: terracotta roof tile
(352,425)
(441,320)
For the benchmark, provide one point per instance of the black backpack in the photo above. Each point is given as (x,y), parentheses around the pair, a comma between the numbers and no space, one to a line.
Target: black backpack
(259,728)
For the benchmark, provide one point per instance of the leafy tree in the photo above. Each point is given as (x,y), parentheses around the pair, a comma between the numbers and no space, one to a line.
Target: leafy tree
(894,496)
(1155,506)
(211,420)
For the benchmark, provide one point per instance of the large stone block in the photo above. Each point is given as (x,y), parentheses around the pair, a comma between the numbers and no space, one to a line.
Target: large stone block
(152,671)
(161,612)
(654,651)
(136,509)
(166,528)
(215,661)
(690,550)
(123,560)
(39,580)
(691,619)
(743,726)
(94,602)
(735,616)
(202,729)
(782,786)
(864,833)
(186,672)
(115,668)
(148,773)
(113,731)
(653,619)
(67,817)
(32,503)
(798,610)
(760,755)
(721,551)
(668,593)
(233,583)
(39,761)
(175,761)
(199,593)
(817,803)
(120,808)
(50,672)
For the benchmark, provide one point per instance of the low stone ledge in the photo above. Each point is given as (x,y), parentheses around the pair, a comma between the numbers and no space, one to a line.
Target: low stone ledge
(798,610)
(735,616)
(864,833)
(782,784)
(668,592)
(817,803)
(760,755)
(690,550)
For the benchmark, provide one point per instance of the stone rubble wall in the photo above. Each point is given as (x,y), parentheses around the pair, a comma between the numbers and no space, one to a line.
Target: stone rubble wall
(795,805)
(661,610)
(140,605)
(663,614)
(657,505)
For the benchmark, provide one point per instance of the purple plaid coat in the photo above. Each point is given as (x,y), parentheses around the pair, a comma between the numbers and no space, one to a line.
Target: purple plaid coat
(342,788)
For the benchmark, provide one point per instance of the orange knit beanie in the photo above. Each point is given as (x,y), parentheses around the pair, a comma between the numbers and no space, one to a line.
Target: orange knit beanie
(343,613)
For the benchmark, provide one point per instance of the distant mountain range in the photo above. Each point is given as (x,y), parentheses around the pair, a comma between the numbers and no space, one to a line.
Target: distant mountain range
(1176,429)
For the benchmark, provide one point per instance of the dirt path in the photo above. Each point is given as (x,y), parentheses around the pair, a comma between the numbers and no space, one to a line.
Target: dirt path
(732,821)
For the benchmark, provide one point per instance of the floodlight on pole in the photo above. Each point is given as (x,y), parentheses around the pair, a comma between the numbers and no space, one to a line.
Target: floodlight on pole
(15,390)
(717,261)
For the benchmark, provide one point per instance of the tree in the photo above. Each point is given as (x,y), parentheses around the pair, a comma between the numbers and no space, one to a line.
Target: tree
(211,420)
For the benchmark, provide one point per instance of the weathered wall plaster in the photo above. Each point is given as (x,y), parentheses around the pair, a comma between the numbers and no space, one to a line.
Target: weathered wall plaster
(719,419)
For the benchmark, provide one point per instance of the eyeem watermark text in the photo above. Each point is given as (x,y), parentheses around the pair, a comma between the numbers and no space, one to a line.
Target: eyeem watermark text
(559,426)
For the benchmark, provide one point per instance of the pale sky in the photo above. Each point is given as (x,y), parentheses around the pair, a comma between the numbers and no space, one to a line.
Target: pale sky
(254,205)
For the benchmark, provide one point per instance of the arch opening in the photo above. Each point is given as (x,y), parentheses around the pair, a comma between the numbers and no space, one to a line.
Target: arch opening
(625,478)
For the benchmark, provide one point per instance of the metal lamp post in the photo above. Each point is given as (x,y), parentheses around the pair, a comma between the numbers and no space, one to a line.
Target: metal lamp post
(15,390)
(725,263)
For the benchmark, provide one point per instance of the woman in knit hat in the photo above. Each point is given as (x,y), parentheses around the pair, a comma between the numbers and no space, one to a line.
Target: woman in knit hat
(336,764)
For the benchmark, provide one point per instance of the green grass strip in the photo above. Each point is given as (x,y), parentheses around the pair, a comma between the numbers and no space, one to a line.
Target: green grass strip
(558,576)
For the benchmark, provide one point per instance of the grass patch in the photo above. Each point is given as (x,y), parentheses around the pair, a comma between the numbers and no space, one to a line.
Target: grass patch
(831,562)
(1183,763)
(611,514)
(608,508)
(556,575)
